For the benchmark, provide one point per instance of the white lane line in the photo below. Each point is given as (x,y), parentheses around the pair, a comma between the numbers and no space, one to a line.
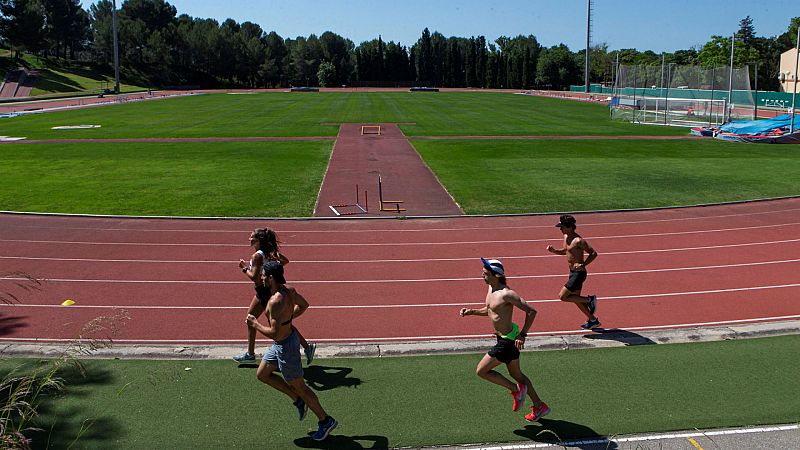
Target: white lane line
(413,280)
(390,244)
(409,305)
(419,260)
(449,337)
(422,230)
(605,442)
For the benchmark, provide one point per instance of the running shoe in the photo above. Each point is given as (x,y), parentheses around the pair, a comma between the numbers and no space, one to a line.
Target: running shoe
(309,351)
(325,428)
(244,357)
(591,324)
(519,396)
(537,413)
(302,408)
(592,303)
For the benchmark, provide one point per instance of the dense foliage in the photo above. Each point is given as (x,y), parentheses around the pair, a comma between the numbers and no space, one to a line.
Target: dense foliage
(170,49)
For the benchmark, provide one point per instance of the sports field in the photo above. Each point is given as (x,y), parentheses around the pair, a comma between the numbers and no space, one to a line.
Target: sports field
(229,178)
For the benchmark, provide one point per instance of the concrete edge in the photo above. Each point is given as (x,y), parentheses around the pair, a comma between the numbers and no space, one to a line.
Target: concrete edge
(611,338)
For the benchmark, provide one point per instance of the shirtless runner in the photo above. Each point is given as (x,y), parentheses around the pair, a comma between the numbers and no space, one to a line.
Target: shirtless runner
(500,303)
(283,306)
(574,246)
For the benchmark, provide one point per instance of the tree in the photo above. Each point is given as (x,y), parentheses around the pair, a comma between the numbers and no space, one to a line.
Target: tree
(326,74)
(23,25)
(717,52)
(746,30)
(557,68)
(102,37)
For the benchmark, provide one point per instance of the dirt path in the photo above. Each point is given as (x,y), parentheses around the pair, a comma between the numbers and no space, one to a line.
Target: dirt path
(359,159)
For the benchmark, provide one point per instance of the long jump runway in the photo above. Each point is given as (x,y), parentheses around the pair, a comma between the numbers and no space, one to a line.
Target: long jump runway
(398,280)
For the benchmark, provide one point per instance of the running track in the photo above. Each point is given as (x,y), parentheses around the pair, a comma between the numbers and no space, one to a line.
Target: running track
(381,280)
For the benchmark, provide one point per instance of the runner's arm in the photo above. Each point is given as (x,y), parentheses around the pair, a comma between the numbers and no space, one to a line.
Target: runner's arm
(474,312)
(253,272)
(269,330)
(592,254)
(300,303)
(530,313)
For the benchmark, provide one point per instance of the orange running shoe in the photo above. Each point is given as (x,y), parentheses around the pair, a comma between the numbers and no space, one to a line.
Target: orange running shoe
(537,413)
(519,396)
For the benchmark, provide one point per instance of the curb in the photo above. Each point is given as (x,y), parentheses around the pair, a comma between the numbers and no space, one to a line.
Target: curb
(611,338)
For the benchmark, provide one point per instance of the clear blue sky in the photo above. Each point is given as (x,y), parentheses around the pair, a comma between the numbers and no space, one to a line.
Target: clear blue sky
(644,24)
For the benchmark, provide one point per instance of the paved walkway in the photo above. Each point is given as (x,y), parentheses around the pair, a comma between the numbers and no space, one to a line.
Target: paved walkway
(358,160)
(583,340)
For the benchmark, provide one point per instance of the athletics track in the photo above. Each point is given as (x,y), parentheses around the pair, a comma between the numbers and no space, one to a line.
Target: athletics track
(384,280)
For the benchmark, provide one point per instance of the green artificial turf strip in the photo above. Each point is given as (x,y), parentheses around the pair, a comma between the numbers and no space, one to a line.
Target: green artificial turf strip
(243,179)
(319,114)
(579,175)
(414,401)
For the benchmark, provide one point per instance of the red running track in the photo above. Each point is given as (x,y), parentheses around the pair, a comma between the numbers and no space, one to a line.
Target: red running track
(377,280)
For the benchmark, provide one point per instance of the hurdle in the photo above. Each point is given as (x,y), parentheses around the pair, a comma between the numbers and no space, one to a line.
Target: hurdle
(358,209)
(368,129)
(383,203)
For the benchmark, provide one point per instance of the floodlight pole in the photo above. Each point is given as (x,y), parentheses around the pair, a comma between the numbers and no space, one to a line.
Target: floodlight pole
(794,92)
(116,45)
(588,32)
(730,81)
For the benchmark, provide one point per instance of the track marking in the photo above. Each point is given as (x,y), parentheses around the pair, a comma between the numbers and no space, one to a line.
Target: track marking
(389,244)
(408,338)
(696,445)
(413,305)
(389,230)
(410,280)
(356,261)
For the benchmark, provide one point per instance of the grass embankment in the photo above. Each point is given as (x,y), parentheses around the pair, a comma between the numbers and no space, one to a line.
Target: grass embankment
(546,176)
(59,76)
(263,179)
(414,401)
(319,114)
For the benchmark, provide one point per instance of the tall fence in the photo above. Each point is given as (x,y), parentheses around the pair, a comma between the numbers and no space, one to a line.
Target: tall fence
(681,95)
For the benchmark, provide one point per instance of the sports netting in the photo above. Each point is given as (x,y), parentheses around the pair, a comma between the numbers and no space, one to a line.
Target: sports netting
(681,95)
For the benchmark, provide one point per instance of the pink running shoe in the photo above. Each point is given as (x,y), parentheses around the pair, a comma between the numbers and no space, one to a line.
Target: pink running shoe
(519,396)
(537,413)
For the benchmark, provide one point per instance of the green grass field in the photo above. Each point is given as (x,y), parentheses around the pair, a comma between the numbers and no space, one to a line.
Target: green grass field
(580,175)
(535,176)
(319,114)
(243,179)
(415,401)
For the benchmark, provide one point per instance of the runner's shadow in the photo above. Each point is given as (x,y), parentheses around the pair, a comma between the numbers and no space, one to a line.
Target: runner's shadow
(323,378)
(565,433)
(339,442)
(9,324)
(617,334)
(251,366)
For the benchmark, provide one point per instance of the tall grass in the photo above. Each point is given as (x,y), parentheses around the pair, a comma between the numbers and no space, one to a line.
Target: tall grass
(24,389)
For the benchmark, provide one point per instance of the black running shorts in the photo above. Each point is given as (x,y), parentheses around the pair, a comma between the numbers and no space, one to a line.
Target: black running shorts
(576,279)
(504,351)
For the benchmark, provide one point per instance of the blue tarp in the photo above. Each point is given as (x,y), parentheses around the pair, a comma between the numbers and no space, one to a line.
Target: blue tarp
(754,127)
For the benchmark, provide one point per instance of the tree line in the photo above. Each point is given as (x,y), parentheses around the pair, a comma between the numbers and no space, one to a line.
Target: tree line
(165,48)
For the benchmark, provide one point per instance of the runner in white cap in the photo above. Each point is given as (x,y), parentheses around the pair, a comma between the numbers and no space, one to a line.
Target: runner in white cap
(500,303)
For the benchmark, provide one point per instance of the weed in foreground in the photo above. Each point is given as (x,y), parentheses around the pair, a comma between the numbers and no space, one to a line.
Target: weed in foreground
(24,389)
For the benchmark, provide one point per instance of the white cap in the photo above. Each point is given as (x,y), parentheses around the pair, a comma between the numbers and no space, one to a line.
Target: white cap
(494,265)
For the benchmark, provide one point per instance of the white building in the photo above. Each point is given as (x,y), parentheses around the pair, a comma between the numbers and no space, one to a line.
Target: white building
(787,73)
